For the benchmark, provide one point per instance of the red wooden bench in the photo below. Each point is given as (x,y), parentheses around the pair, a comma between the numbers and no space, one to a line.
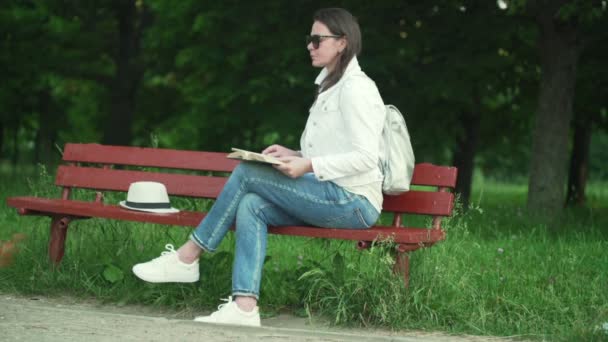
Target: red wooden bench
(90,166)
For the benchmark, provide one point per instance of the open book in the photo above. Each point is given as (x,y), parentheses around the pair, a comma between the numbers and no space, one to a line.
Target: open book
(253,156)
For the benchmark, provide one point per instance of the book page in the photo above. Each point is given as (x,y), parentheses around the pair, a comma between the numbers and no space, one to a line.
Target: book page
(253,156)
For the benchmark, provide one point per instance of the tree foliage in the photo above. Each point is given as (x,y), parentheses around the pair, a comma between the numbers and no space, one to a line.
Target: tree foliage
(211,75)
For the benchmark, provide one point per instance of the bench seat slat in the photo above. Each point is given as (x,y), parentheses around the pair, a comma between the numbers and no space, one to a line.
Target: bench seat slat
(94,209)
(413,202)
(191,219)
(145,156)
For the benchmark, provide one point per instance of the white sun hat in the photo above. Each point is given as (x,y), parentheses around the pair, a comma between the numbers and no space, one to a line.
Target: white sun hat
(148,196)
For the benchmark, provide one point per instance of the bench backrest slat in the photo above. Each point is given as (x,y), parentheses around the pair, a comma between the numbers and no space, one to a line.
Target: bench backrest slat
(119,180)
(424,173)
(433,175)
(417,202)
(145,156)
(420,202)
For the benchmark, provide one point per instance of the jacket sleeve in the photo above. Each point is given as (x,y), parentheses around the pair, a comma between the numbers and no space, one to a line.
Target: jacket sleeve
(363,114)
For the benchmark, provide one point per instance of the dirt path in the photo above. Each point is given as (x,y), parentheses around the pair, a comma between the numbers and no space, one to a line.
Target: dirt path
(68,319)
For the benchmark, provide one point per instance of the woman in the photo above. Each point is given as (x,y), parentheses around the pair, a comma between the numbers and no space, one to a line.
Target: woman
(333,181)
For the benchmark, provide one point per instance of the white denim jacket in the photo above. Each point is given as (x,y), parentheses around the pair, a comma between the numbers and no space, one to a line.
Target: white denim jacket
(343,132)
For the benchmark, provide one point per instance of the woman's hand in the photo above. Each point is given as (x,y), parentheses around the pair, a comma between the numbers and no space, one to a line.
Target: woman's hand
(279,151)
(294,167)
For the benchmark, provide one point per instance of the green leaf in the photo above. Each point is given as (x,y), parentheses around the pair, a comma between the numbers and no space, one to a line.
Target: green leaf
(113,274)
(338,267)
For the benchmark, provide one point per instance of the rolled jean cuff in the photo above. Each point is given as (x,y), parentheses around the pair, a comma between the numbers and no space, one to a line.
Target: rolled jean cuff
(245,294)
(200,244)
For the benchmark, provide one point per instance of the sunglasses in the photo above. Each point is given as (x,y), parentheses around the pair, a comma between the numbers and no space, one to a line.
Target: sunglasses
(316,39)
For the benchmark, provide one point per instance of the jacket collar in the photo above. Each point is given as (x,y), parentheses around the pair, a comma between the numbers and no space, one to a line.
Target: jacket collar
(353,66)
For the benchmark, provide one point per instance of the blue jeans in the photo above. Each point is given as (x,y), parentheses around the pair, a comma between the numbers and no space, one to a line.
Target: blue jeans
(257,196)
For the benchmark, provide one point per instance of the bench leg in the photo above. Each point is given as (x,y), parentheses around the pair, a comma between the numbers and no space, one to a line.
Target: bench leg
(402,266)
(59,229)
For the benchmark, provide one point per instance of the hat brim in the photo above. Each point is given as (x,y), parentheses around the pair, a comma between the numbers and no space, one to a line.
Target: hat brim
(158,211)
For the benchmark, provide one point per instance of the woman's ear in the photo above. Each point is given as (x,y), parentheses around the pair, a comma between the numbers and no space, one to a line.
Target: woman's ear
(342,43)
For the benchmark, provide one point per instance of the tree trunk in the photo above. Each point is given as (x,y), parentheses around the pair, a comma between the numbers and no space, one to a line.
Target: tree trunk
(15,156)
(579,163)
(46,134)
(1,139)
(118,129)
(45,141)
(559,51)
(464,156)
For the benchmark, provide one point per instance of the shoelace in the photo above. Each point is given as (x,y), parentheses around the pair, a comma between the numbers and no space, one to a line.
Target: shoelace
(169,250)
(227,300)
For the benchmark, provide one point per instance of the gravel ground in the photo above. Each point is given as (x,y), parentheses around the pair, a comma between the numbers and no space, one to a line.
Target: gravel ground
(68,319)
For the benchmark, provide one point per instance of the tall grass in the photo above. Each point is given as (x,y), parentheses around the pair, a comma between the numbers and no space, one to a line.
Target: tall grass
(498,272)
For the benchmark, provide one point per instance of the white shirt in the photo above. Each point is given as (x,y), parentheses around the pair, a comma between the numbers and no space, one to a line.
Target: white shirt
(343,132)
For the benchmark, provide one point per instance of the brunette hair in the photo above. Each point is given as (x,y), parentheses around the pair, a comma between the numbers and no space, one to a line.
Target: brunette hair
(340,23)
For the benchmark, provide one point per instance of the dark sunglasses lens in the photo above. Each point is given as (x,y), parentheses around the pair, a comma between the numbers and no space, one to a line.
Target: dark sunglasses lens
(315,40)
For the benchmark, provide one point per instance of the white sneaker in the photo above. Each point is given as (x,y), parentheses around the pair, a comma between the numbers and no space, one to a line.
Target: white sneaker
(230,313)
(167,268)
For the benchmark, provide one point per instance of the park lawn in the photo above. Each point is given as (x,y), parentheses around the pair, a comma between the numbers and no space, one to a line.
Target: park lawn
(498,273)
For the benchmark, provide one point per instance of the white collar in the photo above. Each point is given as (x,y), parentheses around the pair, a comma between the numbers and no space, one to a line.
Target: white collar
(353,66)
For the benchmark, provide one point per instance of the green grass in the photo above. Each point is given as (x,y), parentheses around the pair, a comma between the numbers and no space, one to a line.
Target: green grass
(498,272)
